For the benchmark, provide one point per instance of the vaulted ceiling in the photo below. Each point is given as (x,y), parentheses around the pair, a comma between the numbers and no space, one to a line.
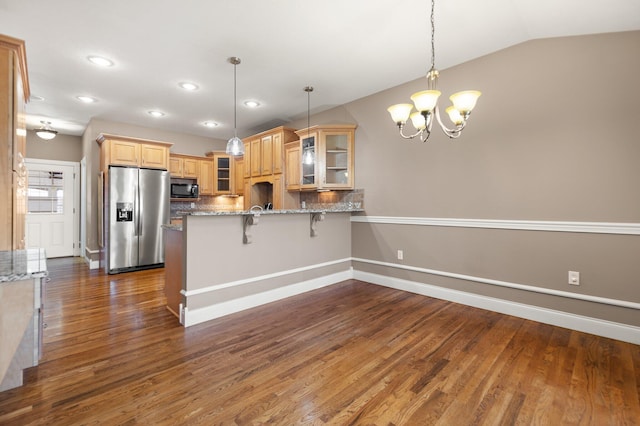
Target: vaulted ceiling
(346,49)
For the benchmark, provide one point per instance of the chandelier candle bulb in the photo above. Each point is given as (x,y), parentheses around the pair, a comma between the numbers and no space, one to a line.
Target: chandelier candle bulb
(465,101)
(400,112)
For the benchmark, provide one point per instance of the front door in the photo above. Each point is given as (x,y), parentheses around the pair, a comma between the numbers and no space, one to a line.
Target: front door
(50,207)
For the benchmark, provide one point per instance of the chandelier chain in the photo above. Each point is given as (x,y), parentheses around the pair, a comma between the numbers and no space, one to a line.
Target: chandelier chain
(433,32)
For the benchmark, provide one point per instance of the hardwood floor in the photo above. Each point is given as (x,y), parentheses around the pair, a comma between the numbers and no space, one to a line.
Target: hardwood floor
(352,353)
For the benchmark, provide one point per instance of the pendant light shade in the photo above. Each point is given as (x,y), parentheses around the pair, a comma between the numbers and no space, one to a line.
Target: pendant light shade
(235,145)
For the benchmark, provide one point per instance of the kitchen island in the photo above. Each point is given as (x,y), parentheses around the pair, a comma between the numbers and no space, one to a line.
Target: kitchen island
(218,263)
(21,286)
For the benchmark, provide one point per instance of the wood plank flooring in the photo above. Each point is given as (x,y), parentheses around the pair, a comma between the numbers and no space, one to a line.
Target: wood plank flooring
(352,353)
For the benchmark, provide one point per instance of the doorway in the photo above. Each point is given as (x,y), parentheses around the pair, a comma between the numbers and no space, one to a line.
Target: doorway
(53,206)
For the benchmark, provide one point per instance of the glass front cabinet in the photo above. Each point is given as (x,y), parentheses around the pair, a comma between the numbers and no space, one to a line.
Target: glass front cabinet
(326,157)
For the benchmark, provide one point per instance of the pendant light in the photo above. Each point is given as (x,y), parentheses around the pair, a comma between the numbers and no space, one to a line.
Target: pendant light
(235,145)
(308,156)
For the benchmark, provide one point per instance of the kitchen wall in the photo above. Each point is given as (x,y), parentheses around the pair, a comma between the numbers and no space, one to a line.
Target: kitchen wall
(183,144)
(552,144)
(61,148)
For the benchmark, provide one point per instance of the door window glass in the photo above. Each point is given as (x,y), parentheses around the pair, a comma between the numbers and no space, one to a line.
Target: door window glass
(45,193)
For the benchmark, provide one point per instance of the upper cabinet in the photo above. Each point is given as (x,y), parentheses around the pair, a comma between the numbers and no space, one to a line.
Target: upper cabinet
(293,167)
(127,151)
(14,93)
(183,166)
(325,159)
(264,152)
(222,173)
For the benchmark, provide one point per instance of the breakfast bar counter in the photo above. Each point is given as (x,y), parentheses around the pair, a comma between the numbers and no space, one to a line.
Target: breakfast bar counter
(217,263)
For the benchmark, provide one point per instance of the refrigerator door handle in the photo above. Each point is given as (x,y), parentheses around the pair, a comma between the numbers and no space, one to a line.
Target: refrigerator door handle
(140,210)
(136,213)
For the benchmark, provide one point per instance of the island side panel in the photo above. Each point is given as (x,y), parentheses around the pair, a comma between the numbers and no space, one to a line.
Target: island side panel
(283,258)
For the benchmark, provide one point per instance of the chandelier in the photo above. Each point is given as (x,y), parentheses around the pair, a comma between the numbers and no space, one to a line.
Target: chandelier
(426,104)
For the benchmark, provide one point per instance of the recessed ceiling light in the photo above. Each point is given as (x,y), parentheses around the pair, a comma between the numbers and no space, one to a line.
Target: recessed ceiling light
(86,99)
(188,86)
(36,98)
(156,113)
(100,61)
(210,124)
(252,104)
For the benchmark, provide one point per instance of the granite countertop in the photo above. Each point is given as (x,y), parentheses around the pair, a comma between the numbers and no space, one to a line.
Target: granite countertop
(267,212)
(260,212)
(20,265)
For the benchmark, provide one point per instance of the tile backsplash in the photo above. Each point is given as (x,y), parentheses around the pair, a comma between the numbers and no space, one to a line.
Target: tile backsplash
(333,199)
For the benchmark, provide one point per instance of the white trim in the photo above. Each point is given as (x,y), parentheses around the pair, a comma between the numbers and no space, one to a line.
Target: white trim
(92,251)
(196,316)
(527,225)
(215,287)
(613,330)
(548,291)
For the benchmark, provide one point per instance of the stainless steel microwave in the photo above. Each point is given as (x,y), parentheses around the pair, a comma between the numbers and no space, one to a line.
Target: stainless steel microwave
(184,190)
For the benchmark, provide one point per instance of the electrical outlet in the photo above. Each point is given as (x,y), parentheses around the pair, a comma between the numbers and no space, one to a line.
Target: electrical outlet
(193,205)
(400,255)
(574,278)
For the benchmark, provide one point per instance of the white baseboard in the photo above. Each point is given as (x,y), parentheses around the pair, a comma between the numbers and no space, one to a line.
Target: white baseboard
(613,330)
(196,316)
(93,264)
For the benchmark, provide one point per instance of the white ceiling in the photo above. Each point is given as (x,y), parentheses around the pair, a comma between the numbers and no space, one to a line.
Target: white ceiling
(346,49)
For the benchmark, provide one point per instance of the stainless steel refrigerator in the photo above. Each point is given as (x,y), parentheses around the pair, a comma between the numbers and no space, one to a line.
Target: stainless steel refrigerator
(138,206)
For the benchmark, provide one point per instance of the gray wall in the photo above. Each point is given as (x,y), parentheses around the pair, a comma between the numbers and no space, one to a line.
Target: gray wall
(61,148)
(552,139)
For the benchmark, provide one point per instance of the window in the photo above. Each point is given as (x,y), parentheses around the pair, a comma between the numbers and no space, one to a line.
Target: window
(45,193)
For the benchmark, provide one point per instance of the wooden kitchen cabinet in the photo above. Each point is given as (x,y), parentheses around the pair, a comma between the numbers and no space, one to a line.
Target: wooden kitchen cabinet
(246,173)
(182,166)
(293,166)
(266,159)
(205,177)
(264,152)
(14,93)
(222,174)
(238,176)
(327,157)
(126,151)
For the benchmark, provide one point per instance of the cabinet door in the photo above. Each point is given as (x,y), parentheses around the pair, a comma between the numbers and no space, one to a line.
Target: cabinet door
(205,178)
(293,165)
(247,160)
(175,166)
(336,160)
(190,168)
(309,161)
(154,156)
(267,155)
(278,153)
(124,153)
(278,189)
(247,194)
(256,158)
(238,176)
(222,174)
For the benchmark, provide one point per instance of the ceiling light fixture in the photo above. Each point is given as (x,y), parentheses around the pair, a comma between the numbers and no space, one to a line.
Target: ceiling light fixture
(100,61)
(210,124)
(308,156)
(252,104)
(426,103)
(156,114)
(190,87)
(235,145)
(86,99)
(45,131)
